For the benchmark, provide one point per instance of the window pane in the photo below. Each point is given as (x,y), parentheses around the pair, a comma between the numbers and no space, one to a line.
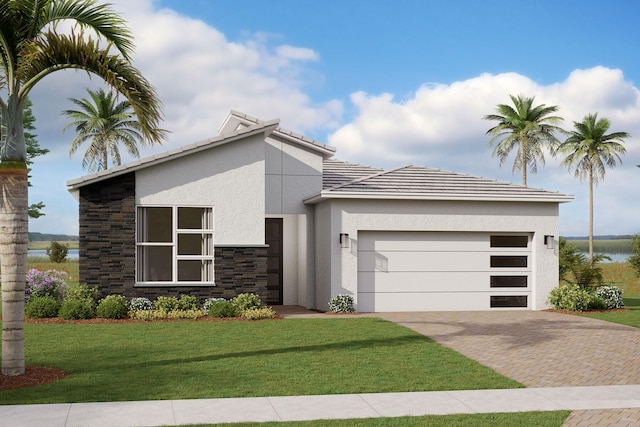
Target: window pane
(190,244)
(509,241)
(508,301)
(190,218)
(155,225)
(154,264)
(508,281)
(508,261)
(195,271)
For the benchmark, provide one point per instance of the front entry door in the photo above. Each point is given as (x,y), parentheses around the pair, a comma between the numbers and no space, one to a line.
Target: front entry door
(273,238)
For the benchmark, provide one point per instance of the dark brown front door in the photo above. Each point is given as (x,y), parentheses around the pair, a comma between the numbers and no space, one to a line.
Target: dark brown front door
(273,238)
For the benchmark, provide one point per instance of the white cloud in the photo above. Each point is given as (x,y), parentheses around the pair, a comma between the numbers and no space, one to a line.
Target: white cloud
(441,125)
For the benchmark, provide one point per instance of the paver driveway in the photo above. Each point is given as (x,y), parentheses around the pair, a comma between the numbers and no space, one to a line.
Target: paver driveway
(538,349)
(542,349)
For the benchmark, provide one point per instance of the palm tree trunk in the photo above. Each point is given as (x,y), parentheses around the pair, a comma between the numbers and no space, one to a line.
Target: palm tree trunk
(591,216)
(524,142)
(14,240)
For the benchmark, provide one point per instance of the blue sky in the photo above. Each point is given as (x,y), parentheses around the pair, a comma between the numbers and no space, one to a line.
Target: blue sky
(387,83)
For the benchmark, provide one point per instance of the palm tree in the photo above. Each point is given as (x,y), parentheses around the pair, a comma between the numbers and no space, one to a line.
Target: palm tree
(30,49)
(104,124)
(528,128)
(590,149)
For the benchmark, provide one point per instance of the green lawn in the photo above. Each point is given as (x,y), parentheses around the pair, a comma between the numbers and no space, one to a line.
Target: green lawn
(521,419)
(188,360)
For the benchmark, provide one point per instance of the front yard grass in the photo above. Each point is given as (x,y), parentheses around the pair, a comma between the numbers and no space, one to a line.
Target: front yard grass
(190,360)
(520,419)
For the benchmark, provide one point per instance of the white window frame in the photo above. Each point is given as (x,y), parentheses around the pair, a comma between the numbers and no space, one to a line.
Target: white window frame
(207,255)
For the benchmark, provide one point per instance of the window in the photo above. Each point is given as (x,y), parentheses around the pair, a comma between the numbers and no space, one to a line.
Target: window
(508,281)
(509,241)
(507,261)
(174,245)
(508,301)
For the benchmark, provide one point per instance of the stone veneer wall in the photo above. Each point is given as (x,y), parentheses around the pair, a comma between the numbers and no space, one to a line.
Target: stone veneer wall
(107,250)
(108,234)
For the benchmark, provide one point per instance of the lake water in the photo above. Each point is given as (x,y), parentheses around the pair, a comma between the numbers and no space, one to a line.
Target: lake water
(618,257)
(72,254)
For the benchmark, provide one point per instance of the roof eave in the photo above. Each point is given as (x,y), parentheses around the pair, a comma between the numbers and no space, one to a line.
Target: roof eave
(325,195)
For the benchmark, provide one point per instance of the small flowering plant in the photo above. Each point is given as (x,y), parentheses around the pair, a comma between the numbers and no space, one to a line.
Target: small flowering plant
(341,304)
(50,283)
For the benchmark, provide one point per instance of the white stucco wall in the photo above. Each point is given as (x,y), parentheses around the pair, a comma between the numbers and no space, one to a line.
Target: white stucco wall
(351,216)
(229,177)
(292,173)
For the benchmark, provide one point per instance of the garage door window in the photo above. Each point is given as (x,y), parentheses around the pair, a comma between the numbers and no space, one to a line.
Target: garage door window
(508,261)
(508,281)
(509,241)
(508,301)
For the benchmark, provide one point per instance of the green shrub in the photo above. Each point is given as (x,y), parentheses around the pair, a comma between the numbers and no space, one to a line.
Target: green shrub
(166,303)
(246,301)
(258,313)
(42,307)
(84,292)
(188,302)
(341,304)
(611,296)
(206,305)
(222,308)
(597,303)
(185,314)
(112,307)
(570,297)
(57,252)
(140,303)
(160,315)
(73,309)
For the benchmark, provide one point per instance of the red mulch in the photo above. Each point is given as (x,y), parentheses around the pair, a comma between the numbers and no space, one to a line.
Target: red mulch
(33,376)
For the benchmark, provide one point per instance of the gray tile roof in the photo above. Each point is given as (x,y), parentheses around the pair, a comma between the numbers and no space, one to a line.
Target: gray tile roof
(420,182)
(336,172)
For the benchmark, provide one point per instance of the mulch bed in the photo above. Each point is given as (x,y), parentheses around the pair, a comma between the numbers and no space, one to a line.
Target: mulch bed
(33,376)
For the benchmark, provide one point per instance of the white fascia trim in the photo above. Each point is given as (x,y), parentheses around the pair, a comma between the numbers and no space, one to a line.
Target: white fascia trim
(266,127)
(452,197)
(301,140)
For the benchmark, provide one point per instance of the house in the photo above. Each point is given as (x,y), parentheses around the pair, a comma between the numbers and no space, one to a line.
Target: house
(261,209)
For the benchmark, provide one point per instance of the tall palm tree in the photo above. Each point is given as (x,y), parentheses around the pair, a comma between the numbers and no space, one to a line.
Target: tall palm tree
(589,149)
(527,128)
(104,124)
(30,49)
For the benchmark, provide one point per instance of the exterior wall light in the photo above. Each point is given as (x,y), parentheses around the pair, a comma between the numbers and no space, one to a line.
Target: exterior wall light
(344,240)
(548,241)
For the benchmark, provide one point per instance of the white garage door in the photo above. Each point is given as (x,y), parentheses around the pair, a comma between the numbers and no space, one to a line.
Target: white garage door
(429,271)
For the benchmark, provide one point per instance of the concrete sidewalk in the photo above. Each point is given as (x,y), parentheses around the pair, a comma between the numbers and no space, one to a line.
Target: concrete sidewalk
(298,408)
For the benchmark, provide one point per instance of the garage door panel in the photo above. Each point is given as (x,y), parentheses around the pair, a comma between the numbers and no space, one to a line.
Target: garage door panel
(444,301)
(425,241)
(421,261)
(431,281)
